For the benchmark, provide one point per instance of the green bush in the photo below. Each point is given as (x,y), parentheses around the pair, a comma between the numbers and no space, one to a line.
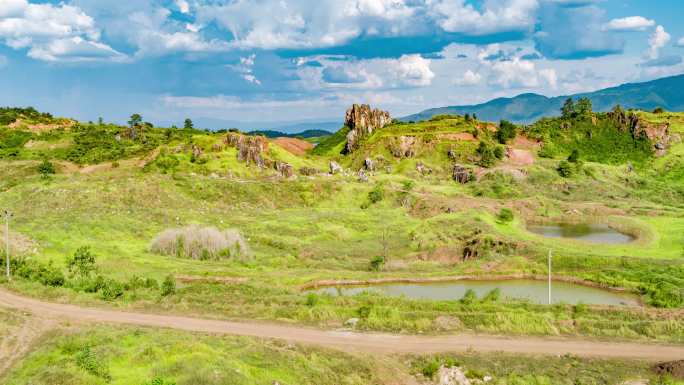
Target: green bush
(506,131)
(82,263)
(376,263)
(565,169)
(487,155)
(111,290)
(376,194)
(87,360)
(505,215)
(574,156)
(168,286)
(46,168)
(469,297)
(45,274)
(312,299)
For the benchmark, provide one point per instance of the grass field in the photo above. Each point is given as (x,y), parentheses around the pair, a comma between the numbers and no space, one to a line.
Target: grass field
(132,356)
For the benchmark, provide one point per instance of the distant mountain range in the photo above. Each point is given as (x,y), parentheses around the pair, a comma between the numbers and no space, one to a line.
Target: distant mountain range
(279,134)
(667,93)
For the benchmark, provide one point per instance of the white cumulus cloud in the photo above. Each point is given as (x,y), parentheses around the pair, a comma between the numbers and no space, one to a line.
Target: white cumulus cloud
(469,78)
(656,41)
(496,16)
(631,23)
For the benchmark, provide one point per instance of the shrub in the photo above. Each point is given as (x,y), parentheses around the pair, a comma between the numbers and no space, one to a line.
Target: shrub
(111,290)
(87,360)
(505,215)
(487,155)
(200,243)
(431,368)
(311,299)
(45,274)
(565,169)
(574,156)
(376,194)
(46,168)
(376,263)
(493,296)
(506,131)
(82,262)
(469,297)
(364,311)
(168,287)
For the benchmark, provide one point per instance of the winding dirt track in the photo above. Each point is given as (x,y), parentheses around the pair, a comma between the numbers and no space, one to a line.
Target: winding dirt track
(366,342)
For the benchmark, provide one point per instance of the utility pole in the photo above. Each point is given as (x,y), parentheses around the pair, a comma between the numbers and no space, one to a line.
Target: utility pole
(8,215)
(549,276)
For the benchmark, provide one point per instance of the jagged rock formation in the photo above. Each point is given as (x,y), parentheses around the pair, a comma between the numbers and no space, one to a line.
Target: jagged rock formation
(363,121)
(658,133)
(308,171)
(250,148)
(335,168)
(403,146)
(285,170)
(362,176)
(423,169)
(370,165)
(461,174)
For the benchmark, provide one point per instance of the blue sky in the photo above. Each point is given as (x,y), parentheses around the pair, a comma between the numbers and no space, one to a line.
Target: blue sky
(226,61)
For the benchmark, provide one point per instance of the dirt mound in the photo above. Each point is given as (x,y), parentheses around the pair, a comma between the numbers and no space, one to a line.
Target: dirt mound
(465,136)
(42,127)
(673,368)
(293,145)
(519,157)
(525,143)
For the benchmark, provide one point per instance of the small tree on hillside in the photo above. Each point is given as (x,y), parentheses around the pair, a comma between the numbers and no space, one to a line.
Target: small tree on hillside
(135,123)
(584,108)
(188,125)
(506,131)
(568,109)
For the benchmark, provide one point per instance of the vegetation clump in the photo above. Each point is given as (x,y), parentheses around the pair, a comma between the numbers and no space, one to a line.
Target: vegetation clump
(201,243)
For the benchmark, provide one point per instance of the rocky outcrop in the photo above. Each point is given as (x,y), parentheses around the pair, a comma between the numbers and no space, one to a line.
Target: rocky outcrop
(363,121)
(308,171)
(369,164)
(423,169)
(285,170)
(335,168)
(658,133)
(461,174)
(363,177)
(403,146)
(250,149)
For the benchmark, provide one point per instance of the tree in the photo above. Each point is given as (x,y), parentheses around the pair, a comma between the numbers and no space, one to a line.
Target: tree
(506,131)
(188,124)
(82,262)
(168,287)
(568,109)
(583,108)
(487,156)
(136,120)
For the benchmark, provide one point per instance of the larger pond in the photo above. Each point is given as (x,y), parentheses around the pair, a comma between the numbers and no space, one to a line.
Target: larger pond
(595,233)
(530,290)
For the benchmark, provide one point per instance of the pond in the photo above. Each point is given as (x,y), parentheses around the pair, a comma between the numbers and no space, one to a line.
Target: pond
(531,290)
(595,233)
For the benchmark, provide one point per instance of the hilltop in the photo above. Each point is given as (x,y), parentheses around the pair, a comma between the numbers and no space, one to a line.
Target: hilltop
(526,108)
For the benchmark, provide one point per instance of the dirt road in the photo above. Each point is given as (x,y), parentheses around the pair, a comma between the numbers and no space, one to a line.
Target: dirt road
(367,342)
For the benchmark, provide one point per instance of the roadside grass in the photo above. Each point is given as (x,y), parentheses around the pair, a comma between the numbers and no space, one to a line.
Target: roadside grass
(139,356)
(506,369)
(130,356)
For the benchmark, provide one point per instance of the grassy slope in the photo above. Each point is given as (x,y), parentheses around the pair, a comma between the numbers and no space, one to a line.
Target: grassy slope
(313,229)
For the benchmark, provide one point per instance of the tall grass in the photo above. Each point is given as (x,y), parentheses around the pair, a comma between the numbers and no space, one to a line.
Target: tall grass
(203,243)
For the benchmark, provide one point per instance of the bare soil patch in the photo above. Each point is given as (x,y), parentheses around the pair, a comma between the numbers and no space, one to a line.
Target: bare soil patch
(293,145)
